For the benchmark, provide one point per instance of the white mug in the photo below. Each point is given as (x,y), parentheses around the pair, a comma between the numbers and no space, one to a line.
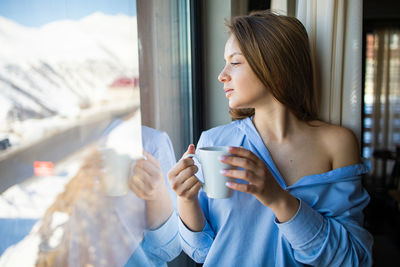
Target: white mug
(211,166)
(114,179)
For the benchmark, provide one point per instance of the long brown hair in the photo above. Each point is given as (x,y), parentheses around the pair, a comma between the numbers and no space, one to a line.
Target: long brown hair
(277,49)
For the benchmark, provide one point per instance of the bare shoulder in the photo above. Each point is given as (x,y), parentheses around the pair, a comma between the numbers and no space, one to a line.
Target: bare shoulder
(340,143)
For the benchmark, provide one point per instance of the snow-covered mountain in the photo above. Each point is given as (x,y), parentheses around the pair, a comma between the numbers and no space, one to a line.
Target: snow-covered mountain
(63,66)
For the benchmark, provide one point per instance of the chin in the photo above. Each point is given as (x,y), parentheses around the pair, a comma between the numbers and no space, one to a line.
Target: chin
(236,105)
(233,104)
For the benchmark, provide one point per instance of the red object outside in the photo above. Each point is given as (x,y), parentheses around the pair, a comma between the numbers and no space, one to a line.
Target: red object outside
(43,168)
(125,82)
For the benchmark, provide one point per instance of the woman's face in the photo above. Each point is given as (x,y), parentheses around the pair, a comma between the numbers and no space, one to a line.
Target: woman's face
(241,85)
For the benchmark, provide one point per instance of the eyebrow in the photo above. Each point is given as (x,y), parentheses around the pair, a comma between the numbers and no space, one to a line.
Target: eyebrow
(235,53)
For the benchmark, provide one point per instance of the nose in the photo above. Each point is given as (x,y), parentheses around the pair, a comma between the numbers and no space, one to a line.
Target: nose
(223,76)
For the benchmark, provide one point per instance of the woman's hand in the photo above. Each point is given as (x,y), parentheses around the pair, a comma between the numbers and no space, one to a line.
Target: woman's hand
(147,181)
(182,179)
(261,183)
(185,184)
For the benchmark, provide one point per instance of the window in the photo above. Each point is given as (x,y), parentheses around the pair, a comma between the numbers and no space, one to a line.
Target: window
(381,114)
(69,74)
(71,109)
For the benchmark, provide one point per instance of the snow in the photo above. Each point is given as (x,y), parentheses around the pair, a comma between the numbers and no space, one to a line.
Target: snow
(32,198)
(54,78)
(61,69)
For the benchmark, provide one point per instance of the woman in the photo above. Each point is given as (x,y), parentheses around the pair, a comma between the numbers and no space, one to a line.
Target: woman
(298,198)
(148,182)
(135,229)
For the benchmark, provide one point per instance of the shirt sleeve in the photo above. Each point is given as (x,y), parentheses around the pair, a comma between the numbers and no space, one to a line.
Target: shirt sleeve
(197,244)
(164,152)
(319,240)
(163,243)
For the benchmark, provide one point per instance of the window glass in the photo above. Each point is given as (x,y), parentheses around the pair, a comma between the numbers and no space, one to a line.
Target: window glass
(84,146)
(382,99)
(70,127)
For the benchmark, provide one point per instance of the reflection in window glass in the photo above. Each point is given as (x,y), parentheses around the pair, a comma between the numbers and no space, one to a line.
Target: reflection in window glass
(69,127)
(367,122)
(381,97)
(367,137)
(367,152)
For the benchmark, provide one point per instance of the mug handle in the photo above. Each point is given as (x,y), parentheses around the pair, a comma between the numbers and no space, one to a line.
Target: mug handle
(198,159)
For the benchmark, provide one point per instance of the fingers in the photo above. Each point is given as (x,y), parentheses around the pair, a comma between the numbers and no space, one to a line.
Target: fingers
(186,186)
(180,166)
(246,188)
(240,174)
(144,186)
(178,182)
(244,153)
(190,189)
(184,182)
(151,158)
(137,189)
(150,167)
(186,174)
(242,162)
(140,191)
(183,163)
(181,176)
(193,191)
(190,150)
(139,181)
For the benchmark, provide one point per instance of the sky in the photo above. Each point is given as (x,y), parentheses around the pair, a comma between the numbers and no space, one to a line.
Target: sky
(35,13)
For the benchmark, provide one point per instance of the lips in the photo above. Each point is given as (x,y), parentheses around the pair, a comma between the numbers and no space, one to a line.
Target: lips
(228,91)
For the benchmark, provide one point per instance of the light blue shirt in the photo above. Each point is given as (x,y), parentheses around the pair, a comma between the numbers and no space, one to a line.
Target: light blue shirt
(160,245)
(240,231)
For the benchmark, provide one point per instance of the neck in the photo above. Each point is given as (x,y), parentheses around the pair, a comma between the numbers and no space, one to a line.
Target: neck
(274,122)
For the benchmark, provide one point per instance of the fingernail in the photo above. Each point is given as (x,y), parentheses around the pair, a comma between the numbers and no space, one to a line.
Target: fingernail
(229,184)
(223,171)
(222,158)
